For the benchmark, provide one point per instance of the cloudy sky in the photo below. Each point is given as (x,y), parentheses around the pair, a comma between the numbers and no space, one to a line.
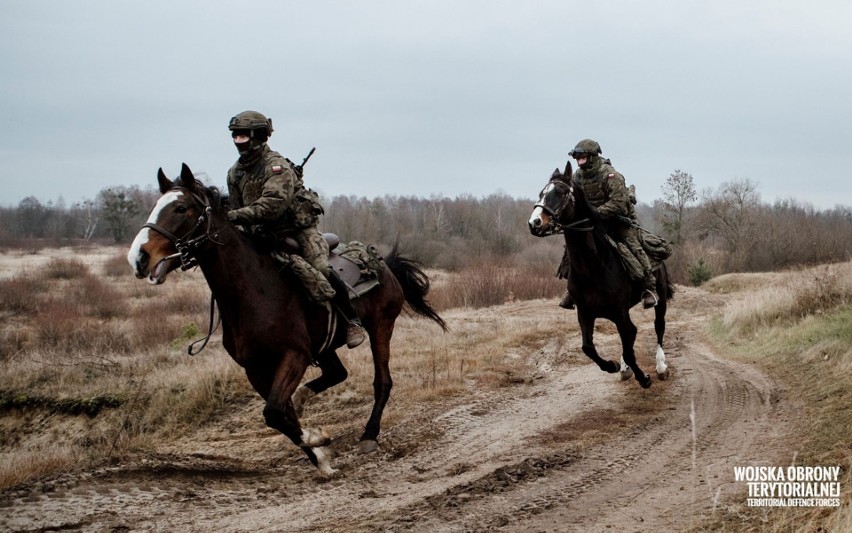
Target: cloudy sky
(429,97)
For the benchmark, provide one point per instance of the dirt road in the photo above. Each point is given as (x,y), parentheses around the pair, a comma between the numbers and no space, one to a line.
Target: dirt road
(570,449)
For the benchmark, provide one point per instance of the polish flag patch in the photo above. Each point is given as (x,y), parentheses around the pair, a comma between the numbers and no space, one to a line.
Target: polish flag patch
(277,169)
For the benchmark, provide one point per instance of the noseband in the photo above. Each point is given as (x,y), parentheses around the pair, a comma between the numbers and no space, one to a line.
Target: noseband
(555,227)
(187,245)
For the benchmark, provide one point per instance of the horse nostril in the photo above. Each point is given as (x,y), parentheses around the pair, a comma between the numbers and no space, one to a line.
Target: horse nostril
(143,261)
(537,222)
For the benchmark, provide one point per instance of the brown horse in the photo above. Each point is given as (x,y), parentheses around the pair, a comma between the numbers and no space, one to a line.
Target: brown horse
(270,327)
(598,283)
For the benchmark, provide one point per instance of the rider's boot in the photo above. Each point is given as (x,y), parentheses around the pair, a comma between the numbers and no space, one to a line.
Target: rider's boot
(650,298)
(566,302)
(355,333)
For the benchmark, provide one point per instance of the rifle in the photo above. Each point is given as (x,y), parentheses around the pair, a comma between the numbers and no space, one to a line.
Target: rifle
(300,168)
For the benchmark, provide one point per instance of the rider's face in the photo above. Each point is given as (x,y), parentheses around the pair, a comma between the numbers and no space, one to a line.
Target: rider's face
(581,159)
(240,139)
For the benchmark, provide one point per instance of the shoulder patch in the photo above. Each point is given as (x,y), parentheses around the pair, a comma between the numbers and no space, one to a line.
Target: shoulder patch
(277,169)
(610,175)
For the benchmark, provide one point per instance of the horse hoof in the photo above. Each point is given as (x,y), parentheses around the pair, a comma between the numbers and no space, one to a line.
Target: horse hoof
(662,376)
(613,367)
(645,381)
(323,457)
(367,446)
(626,374)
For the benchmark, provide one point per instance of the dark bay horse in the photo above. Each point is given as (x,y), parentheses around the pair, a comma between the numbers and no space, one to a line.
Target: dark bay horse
(598,283)
(269,326)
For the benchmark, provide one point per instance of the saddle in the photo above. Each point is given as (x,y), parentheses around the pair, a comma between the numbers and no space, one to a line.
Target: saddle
(358,265)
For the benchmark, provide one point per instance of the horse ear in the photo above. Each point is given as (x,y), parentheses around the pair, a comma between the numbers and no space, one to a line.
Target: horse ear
(187,178)
(555,174)
(568,170)
(165,183)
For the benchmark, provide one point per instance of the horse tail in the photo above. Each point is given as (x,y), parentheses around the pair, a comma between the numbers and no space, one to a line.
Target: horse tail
(415,284)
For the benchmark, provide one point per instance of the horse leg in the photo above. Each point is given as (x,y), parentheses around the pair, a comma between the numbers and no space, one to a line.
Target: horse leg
(587,328)
(627,332)
(333,373)
(660,329)
(280,414)
(380,336)
(626,372)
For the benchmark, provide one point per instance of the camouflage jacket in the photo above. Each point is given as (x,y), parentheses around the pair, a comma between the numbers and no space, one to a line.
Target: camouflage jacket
(606,190)
(262,192)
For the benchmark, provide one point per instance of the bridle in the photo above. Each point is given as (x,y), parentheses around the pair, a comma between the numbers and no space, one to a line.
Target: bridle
(187,246)
(189,243)
(554,226)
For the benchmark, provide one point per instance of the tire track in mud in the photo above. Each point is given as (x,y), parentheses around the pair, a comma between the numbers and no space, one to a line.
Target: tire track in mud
(506,459)
(647,479)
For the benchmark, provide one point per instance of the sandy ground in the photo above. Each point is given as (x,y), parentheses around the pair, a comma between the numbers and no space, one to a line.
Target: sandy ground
(573,449)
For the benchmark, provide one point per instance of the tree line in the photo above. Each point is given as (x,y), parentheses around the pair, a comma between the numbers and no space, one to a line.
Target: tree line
(729,228)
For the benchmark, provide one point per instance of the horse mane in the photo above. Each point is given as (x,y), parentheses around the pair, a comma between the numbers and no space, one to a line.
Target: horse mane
(213,194)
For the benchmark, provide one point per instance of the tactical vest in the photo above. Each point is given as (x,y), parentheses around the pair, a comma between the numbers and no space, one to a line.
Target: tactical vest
(248,182)
(598,187)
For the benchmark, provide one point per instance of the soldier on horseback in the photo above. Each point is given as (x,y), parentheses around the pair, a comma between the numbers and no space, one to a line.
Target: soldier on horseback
(269,198)
(608,193)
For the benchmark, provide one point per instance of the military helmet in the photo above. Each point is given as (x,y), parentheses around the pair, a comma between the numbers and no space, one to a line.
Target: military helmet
(251,121)
(587,147)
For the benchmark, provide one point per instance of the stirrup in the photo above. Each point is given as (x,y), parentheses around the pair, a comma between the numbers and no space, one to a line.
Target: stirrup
(653,295)
(355,335)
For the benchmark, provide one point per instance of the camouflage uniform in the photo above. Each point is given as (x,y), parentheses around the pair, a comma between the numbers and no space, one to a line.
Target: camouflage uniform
(267,195)
(607,191)
(262,188)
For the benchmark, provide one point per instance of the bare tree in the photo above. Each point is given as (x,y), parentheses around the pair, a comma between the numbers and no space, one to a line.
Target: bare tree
(731,213)
(87,219)
(32,217)
(678,195)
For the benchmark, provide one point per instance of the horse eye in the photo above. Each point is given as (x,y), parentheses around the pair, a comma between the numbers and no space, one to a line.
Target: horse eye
(181,209)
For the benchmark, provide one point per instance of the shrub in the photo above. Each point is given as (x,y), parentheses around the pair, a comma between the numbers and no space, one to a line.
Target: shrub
(699,273)
(61,268)
(117,267)
(18,294)
(99,298)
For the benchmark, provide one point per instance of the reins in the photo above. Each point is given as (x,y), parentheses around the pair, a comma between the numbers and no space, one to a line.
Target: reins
(577,225)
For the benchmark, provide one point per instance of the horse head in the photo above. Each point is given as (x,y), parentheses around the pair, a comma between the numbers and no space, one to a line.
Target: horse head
(180,222)
(555,206)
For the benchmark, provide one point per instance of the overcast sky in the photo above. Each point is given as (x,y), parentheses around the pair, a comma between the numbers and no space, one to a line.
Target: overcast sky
(429,97)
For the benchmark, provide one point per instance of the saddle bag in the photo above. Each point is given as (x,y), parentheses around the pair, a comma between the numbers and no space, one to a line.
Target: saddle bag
(306,208)
(657,248)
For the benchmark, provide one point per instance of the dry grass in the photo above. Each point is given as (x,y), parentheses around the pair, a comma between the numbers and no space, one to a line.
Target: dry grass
(784,299)
(102,357)
(81,330)
(797,326)
(489,284)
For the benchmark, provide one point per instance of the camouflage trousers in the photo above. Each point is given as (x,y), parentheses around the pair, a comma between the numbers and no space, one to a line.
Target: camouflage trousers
(633,256)
(312,266)
(639,266)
